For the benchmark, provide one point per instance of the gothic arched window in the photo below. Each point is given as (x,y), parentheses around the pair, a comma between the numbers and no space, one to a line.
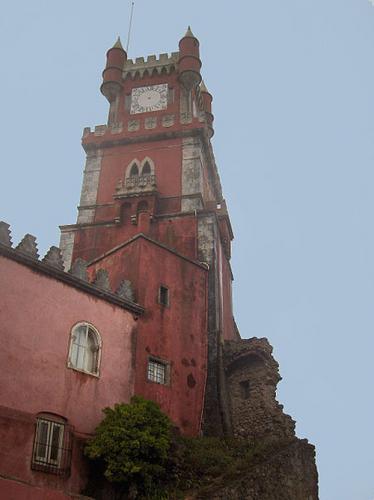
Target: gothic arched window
(85,347)
(134,171)
(146,170)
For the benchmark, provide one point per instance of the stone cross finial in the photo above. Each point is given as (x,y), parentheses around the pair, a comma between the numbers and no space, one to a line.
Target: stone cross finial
(125,290)
(102,279)
(79,269)
(28,246)
(54,258)
(5,237)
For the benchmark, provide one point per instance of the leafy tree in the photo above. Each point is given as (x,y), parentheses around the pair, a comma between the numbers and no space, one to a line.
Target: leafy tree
(133,442)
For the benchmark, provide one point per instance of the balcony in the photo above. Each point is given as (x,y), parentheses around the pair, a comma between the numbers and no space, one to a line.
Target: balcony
(136,184)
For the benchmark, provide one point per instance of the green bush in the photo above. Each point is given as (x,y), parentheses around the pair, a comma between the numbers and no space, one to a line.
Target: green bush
(141,457)
(133,442)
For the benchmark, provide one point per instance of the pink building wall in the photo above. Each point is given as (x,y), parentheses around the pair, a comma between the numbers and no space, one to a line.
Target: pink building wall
(37,313)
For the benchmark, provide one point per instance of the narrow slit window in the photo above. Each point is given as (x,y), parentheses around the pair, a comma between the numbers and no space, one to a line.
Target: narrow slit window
(245,389)
(163,295)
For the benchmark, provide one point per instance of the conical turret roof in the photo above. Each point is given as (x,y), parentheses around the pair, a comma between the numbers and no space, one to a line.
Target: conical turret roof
(118,44)
(189,33)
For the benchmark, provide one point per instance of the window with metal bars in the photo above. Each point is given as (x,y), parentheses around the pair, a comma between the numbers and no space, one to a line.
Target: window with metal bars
(158,371)
(85,348)
(52,446)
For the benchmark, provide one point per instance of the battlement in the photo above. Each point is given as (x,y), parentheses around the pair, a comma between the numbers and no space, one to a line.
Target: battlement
(140,67)
(52,264)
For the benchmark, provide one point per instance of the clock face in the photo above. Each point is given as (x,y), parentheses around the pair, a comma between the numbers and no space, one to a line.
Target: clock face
(152,98)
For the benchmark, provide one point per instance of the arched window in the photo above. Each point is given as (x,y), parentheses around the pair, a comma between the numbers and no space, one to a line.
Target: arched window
(85,346)
(134,172)
(146,170)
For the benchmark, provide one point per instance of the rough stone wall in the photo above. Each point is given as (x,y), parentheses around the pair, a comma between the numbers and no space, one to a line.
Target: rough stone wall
(252,376)
(289,473)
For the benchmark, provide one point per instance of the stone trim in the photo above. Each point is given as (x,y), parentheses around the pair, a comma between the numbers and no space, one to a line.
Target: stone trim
(66,245)
(90,186)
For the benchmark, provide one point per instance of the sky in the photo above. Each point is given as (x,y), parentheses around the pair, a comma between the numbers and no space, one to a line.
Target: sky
(293,87)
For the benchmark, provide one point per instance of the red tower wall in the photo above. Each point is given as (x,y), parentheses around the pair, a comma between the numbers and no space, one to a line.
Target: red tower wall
(176,333)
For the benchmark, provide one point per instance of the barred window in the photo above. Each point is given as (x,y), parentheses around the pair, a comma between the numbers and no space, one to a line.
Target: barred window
(52,445)
(85,346)
(158,371)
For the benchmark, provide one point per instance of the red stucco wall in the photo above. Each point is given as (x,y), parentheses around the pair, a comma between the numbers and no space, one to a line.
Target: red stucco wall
(177,233)
(167,158)
(176,334)
(13,490)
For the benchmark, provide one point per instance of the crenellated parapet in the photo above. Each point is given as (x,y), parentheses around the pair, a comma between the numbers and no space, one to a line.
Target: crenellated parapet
(153,65)
(26,252)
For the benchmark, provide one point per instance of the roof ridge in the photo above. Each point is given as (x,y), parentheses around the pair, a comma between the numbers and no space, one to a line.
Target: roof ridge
(151,240)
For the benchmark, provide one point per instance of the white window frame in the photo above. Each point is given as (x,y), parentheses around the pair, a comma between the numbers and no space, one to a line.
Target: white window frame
(71,363)
(45,458)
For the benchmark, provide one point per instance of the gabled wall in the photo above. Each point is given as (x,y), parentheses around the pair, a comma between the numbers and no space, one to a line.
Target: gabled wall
(176,334)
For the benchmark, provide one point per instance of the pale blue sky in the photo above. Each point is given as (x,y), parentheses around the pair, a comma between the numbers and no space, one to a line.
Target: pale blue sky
(293,86)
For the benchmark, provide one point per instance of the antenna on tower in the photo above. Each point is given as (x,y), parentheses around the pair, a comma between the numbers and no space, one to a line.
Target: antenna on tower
(130,24)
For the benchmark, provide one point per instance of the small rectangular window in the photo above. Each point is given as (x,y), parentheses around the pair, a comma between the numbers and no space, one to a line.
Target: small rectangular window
(158,372)
(163,295)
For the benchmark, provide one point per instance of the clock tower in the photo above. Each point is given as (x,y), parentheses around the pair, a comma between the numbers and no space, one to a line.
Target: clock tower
(151,181)
(141,305)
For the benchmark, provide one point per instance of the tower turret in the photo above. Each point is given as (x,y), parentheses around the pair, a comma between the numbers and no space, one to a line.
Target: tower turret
(189,61)
(206,102)
(112,77)
(112,74)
